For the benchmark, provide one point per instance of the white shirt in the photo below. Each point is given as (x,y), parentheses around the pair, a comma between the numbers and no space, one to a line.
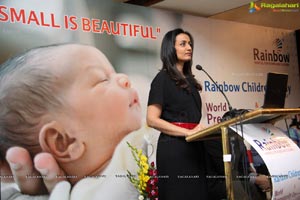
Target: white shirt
(113,183)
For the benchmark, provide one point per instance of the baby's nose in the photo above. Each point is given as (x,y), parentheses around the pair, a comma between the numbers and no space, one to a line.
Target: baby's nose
(124,81)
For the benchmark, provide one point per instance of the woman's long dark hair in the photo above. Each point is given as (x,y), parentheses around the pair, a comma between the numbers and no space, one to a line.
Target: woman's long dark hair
(169,59)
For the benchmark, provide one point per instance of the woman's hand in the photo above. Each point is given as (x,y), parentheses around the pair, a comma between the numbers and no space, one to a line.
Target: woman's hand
(198,128)
(33,177)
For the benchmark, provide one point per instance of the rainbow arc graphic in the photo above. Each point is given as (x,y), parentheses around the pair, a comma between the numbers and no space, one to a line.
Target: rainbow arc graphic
(253,7)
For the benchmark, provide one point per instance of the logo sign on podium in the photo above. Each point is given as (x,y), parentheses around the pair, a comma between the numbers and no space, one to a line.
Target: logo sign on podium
(280,154)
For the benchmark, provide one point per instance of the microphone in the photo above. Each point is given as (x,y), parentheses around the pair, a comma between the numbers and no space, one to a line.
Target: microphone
(200,68)
(232,112)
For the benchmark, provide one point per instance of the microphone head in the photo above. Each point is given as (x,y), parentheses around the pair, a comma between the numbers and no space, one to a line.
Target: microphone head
(199,67)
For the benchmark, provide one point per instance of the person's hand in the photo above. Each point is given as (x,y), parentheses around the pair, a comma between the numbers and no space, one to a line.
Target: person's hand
(263,182)
(198,128)
(33,177)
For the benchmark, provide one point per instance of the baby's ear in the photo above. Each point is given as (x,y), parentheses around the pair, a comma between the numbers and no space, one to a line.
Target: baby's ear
(55,140)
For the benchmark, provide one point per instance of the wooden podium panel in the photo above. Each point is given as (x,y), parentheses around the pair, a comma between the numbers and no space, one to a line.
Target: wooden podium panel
(270,115)
(255,116)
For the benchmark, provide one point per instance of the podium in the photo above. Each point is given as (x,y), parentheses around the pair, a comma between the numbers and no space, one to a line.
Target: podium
(271,115)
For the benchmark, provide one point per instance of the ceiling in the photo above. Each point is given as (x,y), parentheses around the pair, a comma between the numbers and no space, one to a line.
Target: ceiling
(233,10)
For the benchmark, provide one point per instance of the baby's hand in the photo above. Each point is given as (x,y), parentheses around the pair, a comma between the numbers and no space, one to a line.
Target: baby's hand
(35,178)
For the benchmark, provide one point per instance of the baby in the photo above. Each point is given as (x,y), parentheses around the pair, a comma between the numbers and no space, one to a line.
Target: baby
(66,100)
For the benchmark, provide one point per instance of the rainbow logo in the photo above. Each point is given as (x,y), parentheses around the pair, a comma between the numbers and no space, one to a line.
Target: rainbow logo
(278,43)
(268,131)
(253,7)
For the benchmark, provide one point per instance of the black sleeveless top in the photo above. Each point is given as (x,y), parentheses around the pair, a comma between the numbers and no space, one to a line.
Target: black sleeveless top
(178,105)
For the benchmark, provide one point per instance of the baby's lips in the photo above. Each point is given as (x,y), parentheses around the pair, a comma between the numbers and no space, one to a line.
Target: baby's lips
(135,99)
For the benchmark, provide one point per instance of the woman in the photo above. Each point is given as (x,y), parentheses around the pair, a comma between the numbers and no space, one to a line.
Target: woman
(174,108)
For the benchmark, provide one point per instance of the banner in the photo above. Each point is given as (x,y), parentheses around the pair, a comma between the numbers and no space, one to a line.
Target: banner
(238,56)
(280,155)
(131,35)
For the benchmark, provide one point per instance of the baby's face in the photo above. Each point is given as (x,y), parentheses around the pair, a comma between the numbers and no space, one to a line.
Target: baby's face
(102,106)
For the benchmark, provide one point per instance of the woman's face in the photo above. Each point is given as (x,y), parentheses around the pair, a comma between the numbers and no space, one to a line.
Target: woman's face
(101,105)
(183,47)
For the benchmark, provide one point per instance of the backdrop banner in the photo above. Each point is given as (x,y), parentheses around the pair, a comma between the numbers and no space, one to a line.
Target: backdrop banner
(238,56)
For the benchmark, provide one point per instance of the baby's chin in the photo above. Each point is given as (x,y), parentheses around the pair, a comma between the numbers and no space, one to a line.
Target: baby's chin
(136,126)
(133,127)
(136,121)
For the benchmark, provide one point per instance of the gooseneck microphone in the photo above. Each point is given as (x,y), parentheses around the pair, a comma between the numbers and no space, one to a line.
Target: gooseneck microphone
(200,68)
(232,112)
